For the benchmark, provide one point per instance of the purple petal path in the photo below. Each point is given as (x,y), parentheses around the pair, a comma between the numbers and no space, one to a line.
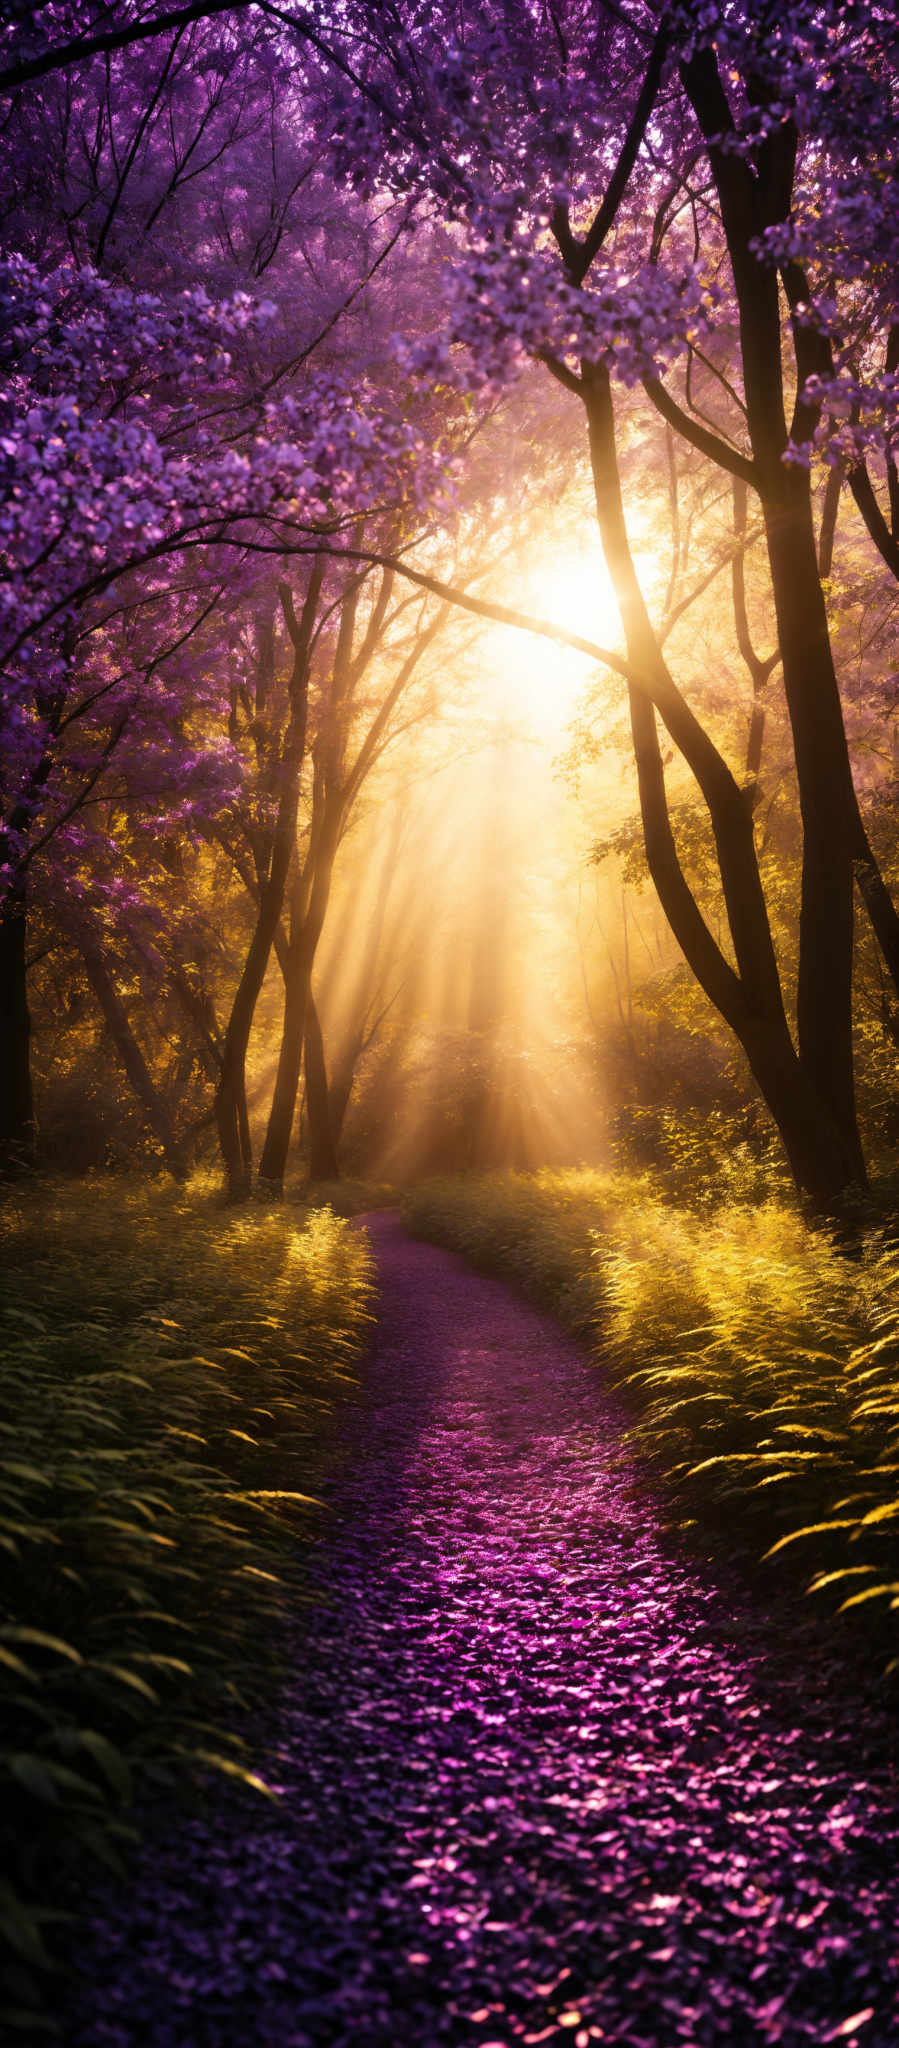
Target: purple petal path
(540,1786)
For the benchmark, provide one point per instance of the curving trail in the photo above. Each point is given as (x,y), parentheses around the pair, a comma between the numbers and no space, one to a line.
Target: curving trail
(538,1785)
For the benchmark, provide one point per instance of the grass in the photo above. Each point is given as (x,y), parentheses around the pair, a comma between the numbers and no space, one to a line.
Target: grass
(349,1197)
(170,1373)
(760,1363)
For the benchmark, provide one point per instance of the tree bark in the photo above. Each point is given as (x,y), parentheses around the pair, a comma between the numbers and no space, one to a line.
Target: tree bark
(118,1024)
(750,999)
(323,1162)
(310,905)
(17,1121)
(752,199)
(828,809)
(335,793)
(363,1028)
(231,1095)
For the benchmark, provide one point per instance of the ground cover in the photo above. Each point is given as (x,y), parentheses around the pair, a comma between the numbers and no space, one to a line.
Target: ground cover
(759,1361)
(541,1779)
(169,1380)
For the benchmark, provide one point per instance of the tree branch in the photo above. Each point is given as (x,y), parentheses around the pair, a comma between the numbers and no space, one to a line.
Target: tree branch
(863,492)
(605,216)
(699,437)
(106,40)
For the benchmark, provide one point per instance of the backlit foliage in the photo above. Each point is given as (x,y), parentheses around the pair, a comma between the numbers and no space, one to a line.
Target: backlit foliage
(168,1389)
(760,1359)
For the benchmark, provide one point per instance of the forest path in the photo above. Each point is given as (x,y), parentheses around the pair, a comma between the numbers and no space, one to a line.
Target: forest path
(538,1785)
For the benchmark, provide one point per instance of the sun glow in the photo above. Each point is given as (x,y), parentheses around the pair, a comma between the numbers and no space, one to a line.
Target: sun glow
(576,591)
(534,682)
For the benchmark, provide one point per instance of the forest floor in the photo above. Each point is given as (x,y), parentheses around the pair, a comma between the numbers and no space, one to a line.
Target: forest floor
(547,1777)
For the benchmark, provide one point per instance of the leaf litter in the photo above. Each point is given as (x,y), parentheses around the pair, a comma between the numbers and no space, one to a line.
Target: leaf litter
(541,1779)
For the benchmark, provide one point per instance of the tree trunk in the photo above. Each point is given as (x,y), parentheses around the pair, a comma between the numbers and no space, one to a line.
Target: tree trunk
(876,898)
(198,1007)
(828,808)
(297,974)
(306,928)
(323,1164)
(231,1095)
(133,1062)
(753,199)
(340,1088)
(231,1115)
(824,1160)
(361,1032)
(17,1124)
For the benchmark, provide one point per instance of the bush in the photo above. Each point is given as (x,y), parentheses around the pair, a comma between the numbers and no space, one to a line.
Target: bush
(760,1362)
(169,1375)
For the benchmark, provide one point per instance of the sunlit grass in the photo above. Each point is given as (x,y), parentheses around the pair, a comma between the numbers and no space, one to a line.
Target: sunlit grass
(759,1360)
(169,1377)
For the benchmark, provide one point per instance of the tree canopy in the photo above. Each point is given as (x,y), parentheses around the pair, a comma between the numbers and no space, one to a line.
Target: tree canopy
(310,320)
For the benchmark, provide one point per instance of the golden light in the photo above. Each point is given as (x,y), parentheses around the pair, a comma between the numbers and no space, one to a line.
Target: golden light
(533,682)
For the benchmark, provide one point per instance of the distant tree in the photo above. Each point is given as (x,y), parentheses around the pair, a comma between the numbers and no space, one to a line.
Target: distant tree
(686,212)
(631,188)
(159,445)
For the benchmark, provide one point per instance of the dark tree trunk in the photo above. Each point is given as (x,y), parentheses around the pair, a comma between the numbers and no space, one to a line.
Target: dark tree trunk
(752,198)
(17,1124)
(306,929)
(876,898)
(337,789)
(199,1009)
(231,1095)
(824,1157)
(340,1088)
(310,901)
(133,1062)
(363,1029)
(231,1116)
(760,671)
(827,804)
(231,1113)
(279,1129)
(750,201)
(323,1164)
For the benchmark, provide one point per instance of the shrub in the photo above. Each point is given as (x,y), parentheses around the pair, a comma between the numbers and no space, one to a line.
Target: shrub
(169,1375)
(760,1362)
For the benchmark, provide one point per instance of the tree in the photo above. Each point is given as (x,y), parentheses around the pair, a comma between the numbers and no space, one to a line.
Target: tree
(128,494)
(343,759)
(688,210)
(707,120)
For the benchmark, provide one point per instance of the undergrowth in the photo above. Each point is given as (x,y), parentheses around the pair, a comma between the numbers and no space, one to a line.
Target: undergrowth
(169,1375)
(760,1362)
(349,1197)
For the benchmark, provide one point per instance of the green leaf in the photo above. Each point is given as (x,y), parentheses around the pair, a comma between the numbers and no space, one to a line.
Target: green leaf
(43,1641)
(230,1769)
(274,1493)
(20,1926)
(870,1593)
(109,1759)
(847,1571)
(165,1663)
(35,1777)
(814,1529)
(129,1678)
(14,1663)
